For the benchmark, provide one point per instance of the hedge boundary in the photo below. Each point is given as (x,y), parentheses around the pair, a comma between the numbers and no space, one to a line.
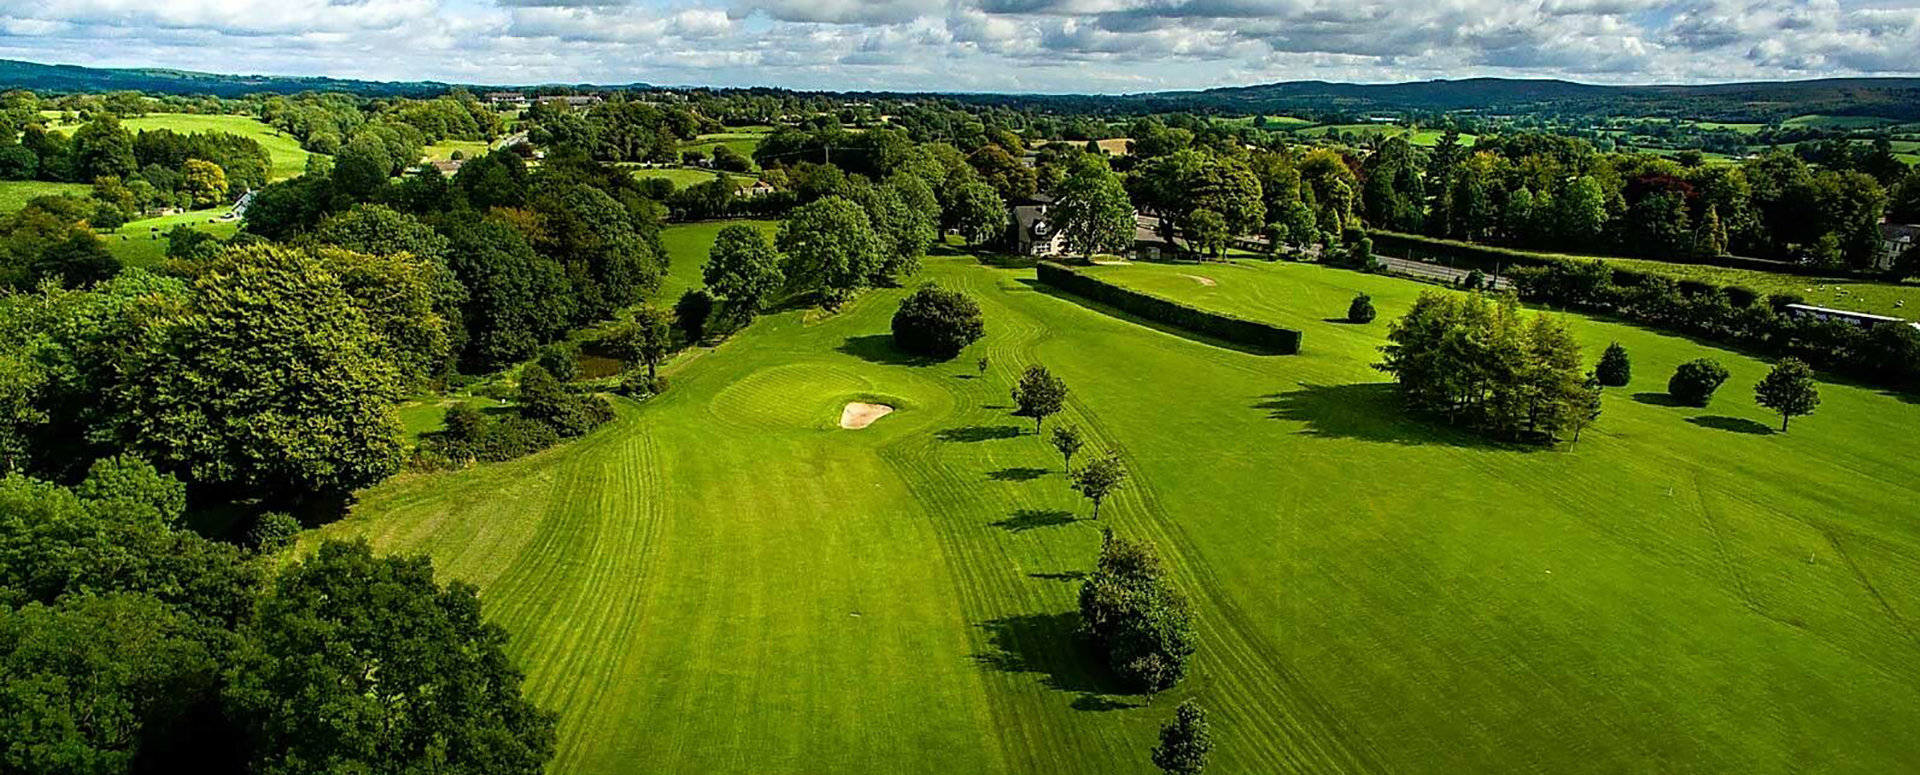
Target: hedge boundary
(1254,334)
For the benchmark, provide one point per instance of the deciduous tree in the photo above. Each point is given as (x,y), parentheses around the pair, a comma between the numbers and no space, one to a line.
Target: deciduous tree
(1788,389)
(1185,742)
(1039,395)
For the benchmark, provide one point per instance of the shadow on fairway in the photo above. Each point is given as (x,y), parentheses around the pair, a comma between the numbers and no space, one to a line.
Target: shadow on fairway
(1656,399)
(1072,575)
(1734,424)
(978,433)
(1368,412)
(1129,317)
(879,348)
(1341,322)
(1034,519)
(1050,644)
(1022,474)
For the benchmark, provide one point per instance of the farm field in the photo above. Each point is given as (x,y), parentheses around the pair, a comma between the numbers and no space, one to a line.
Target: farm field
(289,159)
(684,177)
(1839,122)
(1880,298)
(1421,137)
(443,150)
(144,242)
(723,580)
(743,143)
(15,193)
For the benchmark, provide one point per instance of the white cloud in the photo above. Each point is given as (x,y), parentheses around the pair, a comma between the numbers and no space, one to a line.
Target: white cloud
(1043,45)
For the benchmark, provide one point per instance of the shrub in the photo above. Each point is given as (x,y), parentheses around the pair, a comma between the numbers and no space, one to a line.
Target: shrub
(562,360)
(1250,333)
(272,532)
(1361,310)
(1615,369)
(937,323)
(1694,382)
(638,384)
(1475,279)
(513,437)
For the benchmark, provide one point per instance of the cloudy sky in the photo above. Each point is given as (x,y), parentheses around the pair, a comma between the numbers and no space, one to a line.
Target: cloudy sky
(977,45)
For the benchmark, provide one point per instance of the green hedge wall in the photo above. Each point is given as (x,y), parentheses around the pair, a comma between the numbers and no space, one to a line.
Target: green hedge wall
(1249,333)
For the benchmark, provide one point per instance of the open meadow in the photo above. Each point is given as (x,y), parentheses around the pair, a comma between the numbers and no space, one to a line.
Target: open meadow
(289,159)
(725,580)
(15,193)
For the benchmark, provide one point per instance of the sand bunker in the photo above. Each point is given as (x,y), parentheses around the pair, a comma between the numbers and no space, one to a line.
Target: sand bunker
(1198,279)
(858,415)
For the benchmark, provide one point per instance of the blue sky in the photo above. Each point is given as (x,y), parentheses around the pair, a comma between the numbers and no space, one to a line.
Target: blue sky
(977,45)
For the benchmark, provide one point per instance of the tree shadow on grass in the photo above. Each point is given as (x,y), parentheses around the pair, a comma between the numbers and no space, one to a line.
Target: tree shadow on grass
(1656,399)
(1020,474)
(1067,576)
(1051,644)
(977,433)
(1733,424)
(1369,412)
(1034,519)
(1116,312)
(879,348)
(1341,321)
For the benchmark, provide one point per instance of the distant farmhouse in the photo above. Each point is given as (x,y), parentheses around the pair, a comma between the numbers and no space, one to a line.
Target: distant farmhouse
(507,99)
(1032,234)
(1895,240)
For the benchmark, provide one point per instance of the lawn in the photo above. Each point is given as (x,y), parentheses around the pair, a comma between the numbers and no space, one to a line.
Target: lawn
(724,581)
(1421,137)
(144,242)
(289,159)
(685,177)
(443,150)
(15,193)
(1839,122)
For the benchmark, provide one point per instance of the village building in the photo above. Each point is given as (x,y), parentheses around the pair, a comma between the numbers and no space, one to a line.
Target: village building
(1895,240)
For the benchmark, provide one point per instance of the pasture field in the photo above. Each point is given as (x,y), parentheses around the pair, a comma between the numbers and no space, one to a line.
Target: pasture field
(722,580)
(15,193)
(144,242)
(1839,122)
(743,143)
(289,159)
(687,247)
(684,177)
(1879,298)
(1421,137)
(443,150)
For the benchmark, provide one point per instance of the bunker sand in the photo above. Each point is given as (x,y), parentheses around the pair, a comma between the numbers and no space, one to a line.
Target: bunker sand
(858,415)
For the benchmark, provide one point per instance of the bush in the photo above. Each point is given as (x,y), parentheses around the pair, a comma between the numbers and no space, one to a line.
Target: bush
(272,532)
(512,437)
(937,323)
(638,384)
(1615,369)
(1139,618)
(1694,382)
(1361,310)
(1250,333)
(562,360)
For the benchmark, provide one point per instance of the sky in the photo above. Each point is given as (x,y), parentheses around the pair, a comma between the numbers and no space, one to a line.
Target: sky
(1078,46)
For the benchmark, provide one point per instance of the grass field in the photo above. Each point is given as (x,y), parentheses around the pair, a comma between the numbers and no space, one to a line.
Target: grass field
(15,193)
(1839,122)
(743,143)
(289,159)
(443,150)
(1421,137)
(686,177)
(144,242)
(1880,298)
(724,581)
(687,247)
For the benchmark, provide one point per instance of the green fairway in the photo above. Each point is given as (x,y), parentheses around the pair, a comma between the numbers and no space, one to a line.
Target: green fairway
(723,580)
(743,143)
(289,159)
(15,193)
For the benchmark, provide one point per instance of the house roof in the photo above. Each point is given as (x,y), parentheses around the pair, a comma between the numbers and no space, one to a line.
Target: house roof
(1028,218)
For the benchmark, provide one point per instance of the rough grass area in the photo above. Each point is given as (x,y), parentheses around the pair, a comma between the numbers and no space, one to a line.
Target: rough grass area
(723,581)
(687,246)
(15,193)
(1880,298)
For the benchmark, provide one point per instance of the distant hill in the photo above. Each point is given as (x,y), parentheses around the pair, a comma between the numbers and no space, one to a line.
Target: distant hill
(15,74)
(1896,98)
(1893,98)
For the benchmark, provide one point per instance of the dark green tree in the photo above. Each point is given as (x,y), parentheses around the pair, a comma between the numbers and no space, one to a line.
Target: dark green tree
(357,663)
(1099,478)
(1039,395)
(1067,440)
(1615,369)
(1694,382)
(1185,742)
(692,311)
(1361,310)
(743,269)
(937,323)
(830,249)
(1788,389)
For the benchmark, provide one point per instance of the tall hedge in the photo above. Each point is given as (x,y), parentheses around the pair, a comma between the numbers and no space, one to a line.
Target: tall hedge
(1250,333)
